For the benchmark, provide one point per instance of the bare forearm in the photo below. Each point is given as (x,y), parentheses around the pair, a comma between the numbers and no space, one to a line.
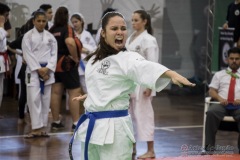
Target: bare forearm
(214,94)
(72,48)
(73,51)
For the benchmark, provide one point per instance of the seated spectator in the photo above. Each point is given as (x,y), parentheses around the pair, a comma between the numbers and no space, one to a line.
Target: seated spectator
(225,88)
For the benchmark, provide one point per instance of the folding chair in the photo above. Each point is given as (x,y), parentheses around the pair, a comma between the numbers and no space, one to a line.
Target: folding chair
(227,124)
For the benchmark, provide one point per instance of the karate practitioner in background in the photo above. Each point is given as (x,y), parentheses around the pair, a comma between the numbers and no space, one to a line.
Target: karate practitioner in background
(4,58)
(40,53)
(111,74)
(16,47)
(141,110)
(89,44)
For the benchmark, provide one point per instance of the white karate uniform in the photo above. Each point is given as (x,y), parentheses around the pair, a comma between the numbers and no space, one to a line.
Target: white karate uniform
(3,48)
(109,83)
(89,43)
(39,48)
(141,108)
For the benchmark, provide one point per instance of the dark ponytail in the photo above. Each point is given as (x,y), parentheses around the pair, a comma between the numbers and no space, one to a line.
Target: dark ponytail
(145,16)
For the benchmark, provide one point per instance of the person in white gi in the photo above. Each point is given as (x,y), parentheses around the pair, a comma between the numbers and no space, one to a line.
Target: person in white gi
(141,110)
(4,59)
(111,74)
(40,53)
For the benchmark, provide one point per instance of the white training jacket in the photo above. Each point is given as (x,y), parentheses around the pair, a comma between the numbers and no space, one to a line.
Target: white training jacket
(146,45)
(39,48)
(109,83)
(3,48)
(89,43)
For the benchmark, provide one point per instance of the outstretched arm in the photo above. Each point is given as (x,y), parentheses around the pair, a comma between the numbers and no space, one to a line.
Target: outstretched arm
(178,79)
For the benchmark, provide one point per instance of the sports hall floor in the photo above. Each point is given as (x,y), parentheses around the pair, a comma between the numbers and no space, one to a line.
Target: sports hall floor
(178,120)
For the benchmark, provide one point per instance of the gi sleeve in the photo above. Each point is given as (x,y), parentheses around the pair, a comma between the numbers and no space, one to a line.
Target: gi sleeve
(52,62)
(146,73)
(3,34)
(29,57)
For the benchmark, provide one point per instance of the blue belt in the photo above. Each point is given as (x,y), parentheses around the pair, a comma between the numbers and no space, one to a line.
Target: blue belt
(81,63)
(93,116)
(41,80)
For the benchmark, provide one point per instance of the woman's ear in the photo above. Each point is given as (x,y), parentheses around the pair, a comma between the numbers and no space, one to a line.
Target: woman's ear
(145,22)
(102,33)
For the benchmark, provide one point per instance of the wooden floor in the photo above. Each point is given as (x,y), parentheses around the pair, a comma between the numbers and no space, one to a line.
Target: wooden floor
(178,121)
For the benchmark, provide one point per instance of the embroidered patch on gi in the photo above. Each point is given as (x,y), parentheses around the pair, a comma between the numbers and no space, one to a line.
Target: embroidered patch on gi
(140,59)
(236,12)
(105,65)
(50,41)
(137,49)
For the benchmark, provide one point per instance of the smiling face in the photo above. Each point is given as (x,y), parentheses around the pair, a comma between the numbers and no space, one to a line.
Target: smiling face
(115,32)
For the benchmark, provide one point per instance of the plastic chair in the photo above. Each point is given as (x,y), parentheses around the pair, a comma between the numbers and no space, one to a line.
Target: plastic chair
(227,124)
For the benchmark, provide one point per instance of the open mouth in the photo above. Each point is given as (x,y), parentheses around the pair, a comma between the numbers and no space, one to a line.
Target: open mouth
(118,41)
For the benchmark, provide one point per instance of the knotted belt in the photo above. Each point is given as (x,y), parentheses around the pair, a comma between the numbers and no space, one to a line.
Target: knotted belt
(92,118)
(41,80)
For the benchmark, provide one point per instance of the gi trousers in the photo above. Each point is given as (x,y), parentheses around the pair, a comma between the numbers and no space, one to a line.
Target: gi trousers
(120,149)
(38,105)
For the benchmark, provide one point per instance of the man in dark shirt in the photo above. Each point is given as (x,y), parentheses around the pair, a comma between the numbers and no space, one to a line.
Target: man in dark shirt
(233,20)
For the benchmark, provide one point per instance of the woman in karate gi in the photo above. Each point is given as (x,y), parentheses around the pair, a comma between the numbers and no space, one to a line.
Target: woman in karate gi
(111,74)
(40,53)
(4,59)
(141,110)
